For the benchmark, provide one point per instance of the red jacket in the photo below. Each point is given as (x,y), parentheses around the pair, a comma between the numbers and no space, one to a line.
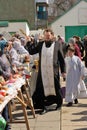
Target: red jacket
(77,51)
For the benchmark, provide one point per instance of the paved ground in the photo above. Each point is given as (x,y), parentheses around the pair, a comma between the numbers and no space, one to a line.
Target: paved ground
(68,118)
(48,121)
(75,117)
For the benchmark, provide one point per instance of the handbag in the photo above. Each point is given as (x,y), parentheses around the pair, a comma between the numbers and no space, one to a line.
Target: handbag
(82,90)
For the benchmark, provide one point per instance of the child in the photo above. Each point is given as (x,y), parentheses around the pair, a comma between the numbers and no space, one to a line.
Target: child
(74,72)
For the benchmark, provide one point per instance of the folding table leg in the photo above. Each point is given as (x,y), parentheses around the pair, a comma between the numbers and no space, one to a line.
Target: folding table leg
(29,101)
(24,109)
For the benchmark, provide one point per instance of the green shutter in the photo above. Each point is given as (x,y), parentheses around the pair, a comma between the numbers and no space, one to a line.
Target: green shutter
(70,31)
(3,23)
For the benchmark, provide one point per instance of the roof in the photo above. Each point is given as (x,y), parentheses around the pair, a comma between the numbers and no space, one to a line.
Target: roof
(67,11)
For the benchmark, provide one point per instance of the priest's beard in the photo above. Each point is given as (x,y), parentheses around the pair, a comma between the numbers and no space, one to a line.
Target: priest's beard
(48,43)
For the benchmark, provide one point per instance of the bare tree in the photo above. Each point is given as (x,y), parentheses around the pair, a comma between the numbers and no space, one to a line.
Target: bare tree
(63,5)
(58,7)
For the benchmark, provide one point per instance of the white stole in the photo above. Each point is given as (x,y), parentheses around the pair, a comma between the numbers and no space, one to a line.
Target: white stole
(47,69)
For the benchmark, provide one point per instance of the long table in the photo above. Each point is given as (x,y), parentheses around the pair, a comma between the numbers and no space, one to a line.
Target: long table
(14,91)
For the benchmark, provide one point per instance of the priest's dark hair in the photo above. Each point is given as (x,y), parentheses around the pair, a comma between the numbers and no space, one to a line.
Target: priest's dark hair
(48,30)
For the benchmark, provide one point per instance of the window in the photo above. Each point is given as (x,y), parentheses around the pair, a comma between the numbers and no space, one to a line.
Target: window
(42,13)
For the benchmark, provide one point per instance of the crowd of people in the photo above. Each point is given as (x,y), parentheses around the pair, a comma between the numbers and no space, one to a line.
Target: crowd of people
(55,57)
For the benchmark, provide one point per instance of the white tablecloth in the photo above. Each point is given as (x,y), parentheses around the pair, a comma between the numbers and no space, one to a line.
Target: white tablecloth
(12,91)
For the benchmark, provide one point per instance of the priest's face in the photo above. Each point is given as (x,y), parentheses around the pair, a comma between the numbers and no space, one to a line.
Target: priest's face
(48,36)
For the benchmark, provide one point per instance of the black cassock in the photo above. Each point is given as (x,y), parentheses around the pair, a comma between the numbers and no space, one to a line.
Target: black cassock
(58,62)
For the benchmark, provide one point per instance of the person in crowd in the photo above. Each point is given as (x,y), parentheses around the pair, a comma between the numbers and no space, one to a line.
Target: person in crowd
(14,58)
(5,67)
(48,80)
(3,42)
(71,42)
(34,73)
(23,41)
(85,50)
(20,49)
(63,44)
(74,72)
(61,39)
(80,44)
(5,72)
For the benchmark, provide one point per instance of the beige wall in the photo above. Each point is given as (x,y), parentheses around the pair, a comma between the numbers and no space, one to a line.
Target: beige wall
(71,18)
(15,27)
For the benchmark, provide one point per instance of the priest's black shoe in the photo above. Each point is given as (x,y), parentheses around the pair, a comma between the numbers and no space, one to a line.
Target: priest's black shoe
(76,101)
(43,111)
(58,107)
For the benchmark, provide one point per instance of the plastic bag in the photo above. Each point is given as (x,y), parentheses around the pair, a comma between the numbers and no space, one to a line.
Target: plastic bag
(2,123)
(82,90)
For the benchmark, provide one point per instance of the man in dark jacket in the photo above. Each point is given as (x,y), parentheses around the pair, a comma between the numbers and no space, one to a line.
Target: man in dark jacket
(48,80)
(85,50)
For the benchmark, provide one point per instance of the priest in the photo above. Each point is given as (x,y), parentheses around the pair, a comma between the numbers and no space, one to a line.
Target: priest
(50,60)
